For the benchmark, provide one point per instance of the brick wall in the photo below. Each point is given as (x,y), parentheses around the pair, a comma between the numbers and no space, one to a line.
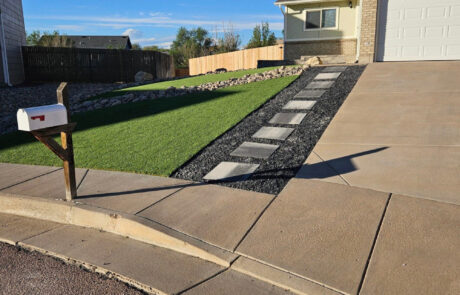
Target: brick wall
(15,37)
(368,30)
(345,47)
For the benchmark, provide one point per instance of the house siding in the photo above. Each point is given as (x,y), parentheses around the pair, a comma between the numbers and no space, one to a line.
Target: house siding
(341,41)
(15,38)
(296,15)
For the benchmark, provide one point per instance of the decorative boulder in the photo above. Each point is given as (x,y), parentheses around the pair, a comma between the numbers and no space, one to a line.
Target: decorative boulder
(314,61)
(143,76)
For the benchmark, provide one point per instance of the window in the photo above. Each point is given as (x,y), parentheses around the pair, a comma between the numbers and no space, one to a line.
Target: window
(321,19)
(329,17)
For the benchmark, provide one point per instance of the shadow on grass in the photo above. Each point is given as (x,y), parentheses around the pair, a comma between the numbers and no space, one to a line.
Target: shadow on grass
(122,113)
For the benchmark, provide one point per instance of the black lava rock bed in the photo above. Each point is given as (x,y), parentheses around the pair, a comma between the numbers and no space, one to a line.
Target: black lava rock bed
(275,172)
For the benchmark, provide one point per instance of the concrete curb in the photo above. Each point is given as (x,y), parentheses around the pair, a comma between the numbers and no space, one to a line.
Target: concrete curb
(143,230)
(281,278)
(134,227)
(92,268)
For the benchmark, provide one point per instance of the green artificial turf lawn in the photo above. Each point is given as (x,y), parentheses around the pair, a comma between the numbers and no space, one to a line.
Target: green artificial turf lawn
(192,81)
(151,137)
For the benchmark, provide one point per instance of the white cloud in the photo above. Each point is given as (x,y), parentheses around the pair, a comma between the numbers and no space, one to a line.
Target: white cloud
(78,28)
(133,33)
(137,36)
(143,40)
(165,45)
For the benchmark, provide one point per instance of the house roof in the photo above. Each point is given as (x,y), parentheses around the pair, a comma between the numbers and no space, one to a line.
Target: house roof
(294,2)
(101,42)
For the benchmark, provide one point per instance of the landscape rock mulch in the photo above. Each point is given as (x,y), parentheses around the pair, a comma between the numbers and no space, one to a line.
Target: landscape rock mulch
(81,94)
(25,96)
(274,173)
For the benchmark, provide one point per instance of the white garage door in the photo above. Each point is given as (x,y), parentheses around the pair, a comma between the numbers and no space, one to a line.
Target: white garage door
(418,30)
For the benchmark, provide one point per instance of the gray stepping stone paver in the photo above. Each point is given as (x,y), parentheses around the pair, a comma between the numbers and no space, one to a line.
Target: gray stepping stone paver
(310,94)
(231,170)
(288,118)
(320,85)
(276,133)
(327,76)
(299,105)
(334,69)
(255,150)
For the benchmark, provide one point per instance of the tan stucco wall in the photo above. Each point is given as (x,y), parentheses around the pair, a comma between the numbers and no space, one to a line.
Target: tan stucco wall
(295,22)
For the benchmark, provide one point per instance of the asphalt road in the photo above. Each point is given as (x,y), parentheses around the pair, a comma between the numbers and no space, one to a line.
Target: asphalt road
(23,272)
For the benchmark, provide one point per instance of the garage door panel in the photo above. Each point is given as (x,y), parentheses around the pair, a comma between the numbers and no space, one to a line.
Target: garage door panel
(432,51)
(453,50)
(408,51)
(412,33)
(419,30)
(434,33)
(436,12)
(454,32)
(455,11)
(414,13)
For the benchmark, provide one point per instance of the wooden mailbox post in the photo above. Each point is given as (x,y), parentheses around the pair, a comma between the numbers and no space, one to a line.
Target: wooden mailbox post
(64,152)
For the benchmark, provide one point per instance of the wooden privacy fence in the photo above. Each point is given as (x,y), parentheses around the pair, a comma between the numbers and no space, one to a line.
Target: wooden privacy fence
(233,61)
(49,64)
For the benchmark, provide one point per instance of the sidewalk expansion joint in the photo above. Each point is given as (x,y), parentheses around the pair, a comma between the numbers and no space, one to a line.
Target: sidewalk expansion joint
(154,203)
(254,223)
(338,174)
(39,234)
(373,244)
(83,178)
(35,177)
(211,277)
(204,281)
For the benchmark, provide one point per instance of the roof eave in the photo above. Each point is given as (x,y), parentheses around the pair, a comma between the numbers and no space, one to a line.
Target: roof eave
(296,2)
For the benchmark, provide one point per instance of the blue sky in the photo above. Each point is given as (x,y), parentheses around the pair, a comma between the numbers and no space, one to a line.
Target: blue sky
(149,22)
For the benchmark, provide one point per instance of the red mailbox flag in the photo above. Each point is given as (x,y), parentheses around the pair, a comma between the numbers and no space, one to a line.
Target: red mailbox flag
(41,118)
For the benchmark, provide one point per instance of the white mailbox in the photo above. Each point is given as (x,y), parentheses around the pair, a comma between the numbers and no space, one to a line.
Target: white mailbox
(36,118)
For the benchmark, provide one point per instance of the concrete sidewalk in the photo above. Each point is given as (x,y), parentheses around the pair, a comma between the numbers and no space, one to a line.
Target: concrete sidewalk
(375,209)
(314,238)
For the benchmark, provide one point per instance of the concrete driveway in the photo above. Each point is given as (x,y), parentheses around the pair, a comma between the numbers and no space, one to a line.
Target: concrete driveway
(398,131)
(357,217)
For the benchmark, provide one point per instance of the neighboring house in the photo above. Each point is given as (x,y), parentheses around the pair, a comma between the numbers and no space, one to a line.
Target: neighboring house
(12,38)
(101,42)
(372,30)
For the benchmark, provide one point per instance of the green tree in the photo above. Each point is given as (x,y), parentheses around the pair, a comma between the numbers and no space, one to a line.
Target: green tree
(262,36)
(230,41)
(136,46)
(33,38)
(155,48)
(46,39)
(190,44)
